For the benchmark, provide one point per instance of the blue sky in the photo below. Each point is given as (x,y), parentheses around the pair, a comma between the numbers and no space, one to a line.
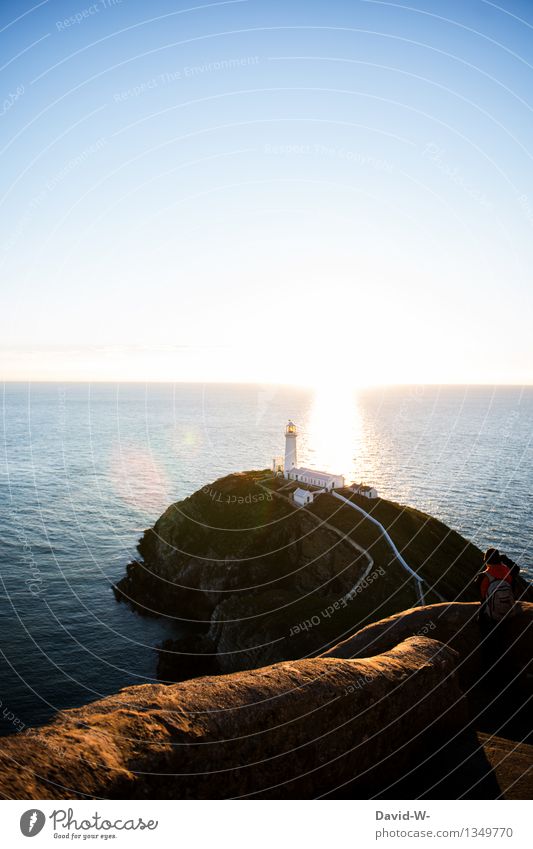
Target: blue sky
(267,191)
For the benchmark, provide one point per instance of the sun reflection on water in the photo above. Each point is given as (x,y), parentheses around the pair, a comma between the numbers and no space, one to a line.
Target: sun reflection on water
(333,432)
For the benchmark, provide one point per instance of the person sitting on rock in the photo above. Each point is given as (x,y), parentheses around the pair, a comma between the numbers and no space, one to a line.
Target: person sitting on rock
(497,589)
(496,586)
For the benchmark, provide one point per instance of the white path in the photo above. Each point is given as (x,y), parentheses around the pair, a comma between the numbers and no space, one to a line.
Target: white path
(386,535)
(359,548)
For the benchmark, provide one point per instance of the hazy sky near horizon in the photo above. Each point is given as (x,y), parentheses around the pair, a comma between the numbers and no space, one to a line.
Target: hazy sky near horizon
(309,192)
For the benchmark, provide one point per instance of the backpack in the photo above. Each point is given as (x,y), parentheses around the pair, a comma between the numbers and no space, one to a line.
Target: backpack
(500,601)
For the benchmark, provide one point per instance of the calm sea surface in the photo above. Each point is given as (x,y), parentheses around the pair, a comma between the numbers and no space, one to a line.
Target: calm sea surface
(85,468)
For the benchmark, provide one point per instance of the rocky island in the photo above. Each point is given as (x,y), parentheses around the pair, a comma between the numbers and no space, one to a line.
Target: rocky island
(257,579)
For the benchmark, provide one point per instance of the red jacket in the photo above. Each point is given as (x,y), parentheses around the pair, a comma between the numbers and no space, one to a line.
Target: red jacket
(495,570)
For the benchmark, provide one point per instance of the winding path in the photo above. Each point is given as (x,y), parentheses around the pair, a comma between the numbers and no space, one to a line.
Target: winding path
(401,560)
(359,548)
(386,535)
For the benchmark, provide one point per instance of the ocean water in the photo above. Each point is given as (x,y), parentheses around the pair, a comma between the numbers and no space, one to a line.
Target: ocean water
(85,468)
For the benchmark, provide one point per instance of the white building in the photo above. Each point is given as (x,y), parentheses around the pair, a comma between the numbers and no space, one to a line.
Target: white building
(364,490)
(302,497)
(315,478)
(291,470)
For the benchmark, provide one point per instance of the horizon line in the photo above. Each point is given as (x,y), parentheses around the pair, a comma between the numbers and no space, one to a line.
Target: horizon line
(140,381)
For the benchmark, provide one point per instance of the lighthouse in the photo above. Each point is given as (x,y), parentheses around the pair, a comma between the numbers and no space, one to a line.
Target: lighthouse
(324,481)
(291,435)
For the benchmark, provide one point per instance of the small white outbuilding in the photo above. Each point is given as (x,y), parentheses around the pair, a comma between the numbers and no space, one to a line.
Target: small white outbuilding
(302,497)
(277,465)
(365,490)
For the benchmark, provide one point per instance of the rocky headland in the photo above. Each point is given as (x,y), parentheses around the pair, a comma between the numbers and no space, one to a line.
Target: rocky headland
(255,580)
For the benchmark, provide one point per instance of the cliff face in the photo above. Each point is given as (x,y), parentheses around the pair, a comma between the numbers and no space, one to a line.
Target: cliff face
(268,582)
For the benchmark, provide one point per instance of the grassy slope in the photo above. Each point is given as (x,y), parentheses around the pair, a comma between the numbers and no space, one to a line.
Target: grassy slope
(228,515)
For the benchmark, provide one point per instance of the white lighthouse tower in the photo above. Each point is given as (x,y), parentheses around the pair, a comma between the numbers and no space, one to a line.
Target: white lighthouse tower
(291,435)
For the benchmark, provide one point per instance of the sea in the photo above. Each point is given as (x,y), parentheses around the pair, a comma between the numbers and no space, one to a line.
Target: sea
(85,468)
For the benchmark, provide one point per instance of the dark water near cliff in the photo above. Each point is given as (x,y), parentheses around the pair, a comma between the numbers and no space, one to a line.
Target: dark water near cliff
(84,469)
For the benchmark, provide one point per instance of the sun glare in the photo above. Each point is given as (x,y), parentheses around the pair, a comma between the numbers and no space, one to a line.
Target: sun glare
(334,429)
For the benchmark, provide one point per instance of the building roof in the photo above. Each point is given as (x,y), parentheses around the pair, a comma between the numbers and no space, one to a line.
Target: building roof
(302,470)
(302,492)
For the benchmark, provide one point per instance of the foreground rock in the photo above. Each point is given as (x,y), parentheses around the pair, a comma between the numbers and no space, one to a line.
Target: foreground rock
(511,764)
(296,729)
(469,766)
(455,625)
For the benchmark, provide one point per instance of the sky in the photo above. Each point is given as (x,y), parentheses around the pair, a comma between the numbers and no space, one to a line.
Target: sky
(317,193)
